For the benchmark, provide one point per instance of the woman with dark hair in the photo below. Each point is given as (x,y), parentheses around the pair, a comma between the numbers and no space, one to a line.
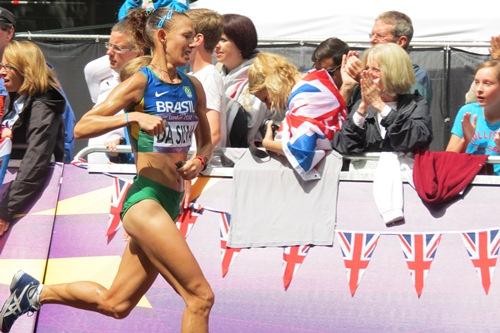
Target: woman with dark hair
(330,55)
(235,51)
(164,107)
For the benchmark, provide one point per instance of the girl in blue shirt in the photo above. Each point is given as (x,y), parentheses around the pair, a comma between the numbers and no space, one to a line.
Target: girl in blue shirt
(476,129)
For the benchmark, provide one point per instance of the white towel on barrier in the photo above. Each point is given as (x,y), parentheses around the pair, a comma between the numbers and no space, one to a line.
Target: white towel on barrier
(392,169)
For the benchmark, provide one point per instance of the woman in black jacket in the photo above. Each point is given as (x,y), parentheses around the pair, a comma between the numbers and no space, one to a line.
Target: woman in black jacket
(33,119)
(386,118)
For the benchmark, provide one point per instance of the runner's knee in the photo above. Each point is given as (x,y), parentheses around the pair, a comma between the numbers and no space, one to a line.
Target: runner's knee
(116,309)
(201,301)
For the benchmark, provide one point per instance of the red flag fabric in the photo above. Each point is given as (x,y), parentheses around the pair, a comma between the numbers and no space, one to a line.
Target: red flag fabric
(482,247)
(419,251)
(228,253)
(357,250)
(293,257)
(187,219)
(120,189)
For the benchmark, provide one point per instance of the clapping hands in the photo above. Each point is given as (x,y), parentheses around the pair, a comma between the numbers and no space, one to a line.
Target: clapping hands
(469,127)
(371,94)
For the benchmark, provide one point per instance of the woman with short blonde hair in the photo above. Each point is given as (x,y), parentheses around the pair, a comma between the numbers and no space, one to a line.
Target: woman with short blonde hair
(395,64)
(387,117)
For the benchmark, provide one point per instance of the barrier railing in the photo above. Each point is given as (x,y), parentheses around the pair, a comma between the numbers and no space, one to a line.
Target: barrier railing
(220,167)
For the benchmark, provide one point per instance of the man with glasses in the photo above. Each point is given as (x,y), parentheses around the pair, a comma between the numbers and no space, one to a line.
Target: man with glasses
(394,27)
(102,75)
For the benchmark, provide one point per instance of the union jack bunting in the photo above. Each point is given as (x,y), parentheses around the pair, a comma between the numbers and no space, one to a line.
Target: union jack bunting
(228,253)
(482,247)
(357,250)
(419,251)
(5,150)
(293,257)
(187,218)
(120,188)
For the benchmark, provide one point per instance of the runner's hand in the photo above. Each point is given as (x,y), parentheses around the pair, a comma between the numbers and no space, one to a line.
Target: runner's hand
(152,125)
(190,169)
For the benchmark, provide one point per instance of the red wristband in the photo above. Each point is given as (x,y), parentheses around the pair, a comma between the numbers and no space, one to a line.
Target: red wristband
(203,161)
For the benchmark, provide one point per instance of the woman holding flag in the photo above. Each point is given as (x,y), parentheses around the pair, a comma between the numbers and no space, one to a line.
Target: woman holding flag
(315,110)
(165,107)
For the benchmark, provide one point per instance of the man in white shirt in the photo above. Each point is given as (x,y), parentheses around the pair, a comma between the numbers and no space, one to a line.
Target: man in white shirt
(208,29)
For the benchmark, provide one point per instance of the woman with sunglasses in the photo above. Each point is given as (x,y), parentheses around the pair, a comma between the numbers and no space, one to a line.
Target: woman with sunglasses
(164,107)
(33,117)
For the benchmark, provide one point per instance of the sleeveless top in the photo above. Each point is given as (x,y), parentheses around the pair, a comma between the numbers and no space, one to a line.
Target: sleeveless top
(175,104)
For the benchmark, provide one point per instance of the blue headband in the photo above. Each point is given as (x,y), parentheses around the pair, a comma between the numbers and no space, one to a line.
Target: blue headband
(173,6)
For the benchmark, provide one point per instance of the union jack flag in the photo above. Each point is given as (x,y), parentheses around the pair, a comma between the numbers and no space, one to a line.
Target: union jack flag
(419,251)
(228,253)
(5,150)
(482,247)
(316,111)
(120,189)
(187,218)
(293,257)
(357,250)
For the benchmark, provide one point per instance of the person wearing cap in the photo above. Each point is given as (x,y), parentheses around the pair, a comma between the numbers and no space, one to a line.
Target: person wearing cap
(7,28)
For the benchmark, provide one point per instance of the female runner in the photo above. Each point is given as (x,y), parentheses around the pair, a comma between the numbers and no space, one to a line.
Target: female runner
(171,104)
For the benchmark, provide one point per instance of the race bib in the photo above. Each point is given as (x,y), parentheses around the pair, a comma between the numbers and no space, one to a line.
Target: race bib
(178,133)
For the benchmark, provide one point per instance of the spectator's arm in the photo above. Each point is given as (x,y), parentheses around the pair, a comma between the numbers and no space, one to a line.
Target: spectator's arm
(351,139)
(213,117)
(456,144)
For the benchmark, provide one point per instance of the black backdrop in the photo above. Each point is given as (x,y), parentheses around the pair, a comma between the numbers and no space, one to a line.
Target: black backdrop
(451,71)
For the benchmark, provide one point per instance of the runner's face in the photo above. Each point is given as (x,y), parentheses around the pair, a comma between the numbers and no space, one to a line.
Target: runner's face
(487,87)
(179,41)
